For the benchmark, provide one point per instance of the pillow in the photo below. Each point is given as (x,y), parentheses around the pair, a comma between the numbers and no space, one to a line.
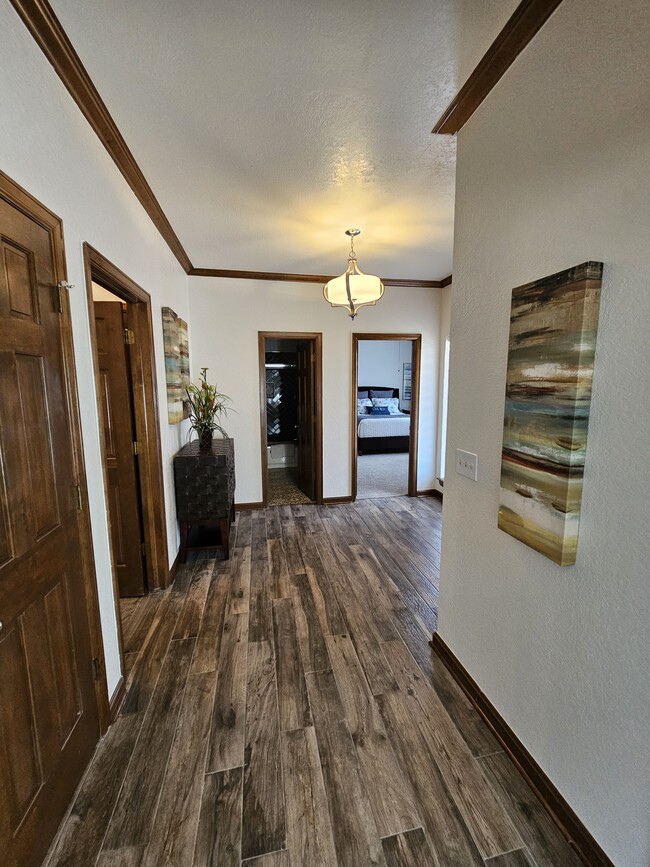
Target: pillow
(391,403)
(382,392)
(362,393)
(363,406)
(379,410)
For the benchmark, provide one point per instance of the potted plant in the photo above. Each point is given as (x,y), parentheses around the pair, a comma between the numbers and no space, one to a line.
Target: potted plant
(207,405)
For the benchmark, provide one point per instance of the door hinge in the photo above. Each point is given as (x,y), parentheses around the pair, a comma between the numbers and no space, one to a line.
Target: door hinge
(79,503)
(129,337)
(60,286)
(136,447)
(96,669)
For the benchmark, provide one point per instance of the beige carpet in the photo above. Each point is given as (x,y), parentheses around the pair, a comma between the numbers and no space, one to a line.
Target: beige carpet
(382,476)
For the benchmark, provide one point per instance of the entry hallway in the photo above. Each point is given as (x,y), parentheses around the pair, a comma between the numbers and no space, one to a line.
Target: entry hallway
(284,710)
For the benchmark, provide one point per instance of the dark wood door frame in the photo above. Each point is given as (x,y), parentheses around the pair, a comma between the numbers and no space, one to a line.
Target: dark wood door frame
(416,354)
(145,403)
(317,337)
(23,201)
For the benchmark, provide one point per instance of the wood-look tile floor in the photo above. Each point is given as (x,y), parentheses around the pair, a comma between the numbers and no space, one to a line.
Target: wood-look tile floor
(284,710)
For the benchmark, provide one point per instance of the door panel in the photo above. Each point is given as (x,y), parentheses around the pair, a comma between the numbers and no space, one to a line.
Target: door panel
(48,712)
(307,419)
(121,477)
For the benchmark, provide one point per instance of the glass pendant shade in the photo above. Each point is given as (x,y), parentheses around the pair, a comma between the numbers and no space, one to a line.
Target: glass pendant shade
(353,289)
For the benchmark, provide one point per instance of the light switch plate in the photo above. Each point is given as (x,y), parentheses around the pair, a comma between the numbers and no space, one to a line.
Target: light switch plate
(467,464)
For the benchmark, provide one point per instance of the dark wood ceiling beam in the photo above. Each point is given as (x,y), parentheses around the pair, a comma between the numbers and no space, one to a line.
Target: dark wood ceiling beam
(39,18)
(282,277)
(520,29)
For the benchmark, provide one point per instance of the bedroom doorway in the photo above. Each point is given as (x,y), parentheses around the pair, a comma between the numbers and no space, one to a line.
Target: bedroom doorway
(291,417)
(385,414)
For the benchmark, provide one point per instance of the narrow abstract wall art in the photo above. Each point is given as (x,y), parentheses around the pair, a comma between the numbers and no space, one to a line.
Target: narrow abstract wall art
(184,347)
(177,365)
(553,325)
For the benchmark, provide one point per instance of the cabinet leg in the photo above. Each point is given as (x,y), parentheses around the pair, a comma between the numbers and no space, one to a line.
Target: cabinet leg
(224,528)
(184,527)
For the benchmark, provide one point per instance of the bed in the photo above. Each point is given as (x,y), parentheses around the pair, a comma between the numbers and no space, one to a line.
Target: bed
(384,433)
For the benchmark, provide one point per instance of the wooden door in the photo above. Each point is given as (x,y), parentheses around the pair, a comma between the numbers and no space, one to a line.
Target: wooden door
(121,476)
(307,418)
(48,712)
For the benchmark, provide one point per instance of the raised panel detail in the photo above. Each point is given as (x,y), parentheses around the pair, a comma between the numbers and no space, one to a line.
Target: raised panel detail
(38,443)
(6,546)
(100,331)
(19,272)
(21,771)
(40,667)
(109,442)
(59,625)
(119,551)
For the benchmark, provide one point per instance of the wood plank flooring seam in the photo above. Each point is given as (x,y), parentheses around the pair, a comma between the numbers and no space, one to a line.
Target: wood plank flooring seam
(196,705)
(258,857)
(142,715)
(154,806)
(483,832)
(402,831)
(508,852)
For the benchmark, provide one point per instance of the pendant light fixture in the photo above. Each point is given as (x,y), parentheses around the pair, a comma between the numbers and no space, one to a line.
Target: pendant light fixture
(353,289)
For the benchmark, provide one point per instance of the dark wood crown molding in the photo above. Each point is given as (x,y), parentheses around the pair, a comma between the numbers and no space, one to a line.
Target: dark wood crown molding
(39,18)
(520,29)
(446,281)
(282,277)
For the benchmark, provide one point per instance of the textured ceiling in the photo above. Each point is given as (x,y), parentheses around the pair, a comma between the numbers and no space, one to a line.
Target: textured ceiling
(267,128)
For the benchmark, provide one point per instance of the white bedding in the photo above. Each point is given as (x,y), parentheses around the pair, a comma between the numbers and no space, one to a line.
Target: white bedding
(384,426)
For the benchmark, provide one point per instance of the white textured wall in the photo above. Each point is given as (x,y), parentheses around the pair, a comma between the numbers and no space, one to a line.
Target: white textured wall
(48,147)
(445,329)
(554,169)
(226,316)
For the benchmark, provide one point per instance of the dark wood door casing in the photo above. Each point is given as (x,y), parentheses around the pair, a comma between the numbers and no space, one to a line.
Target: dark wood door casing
(123,494)
(316,339)
(50,715)
(142,372)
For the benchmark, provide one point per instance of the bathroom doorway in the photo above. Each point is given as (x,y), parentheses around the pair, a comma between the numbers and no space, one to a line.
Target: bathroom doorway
(291,417)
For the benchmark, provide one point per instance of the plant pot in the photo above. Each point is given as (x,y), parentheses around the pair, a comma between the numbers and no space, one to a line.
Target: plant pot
(205,441)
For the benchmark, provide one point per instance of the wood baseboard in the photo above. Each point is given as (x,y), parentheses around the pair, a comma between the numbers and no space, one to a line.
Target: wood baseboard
(431,492)
(117,698)
(173,569)
(572,828)
(336,501)
(248,507)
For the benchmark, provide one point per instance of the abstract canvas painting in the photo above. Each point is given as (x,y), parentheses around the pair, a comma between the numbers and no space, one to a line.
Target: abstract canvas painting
(184,347)
(177,365)
(553,325)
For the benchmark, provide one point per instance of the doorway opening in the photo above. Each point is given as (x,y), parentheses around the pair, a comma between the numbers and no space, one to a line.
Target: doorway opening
(385,414)
(113,360)
(122,342)
(291,417)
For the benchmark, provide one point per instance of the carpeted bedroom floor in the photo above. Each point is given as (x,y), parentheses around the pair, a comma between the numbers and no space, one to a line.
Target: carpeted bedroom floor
(382,476)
